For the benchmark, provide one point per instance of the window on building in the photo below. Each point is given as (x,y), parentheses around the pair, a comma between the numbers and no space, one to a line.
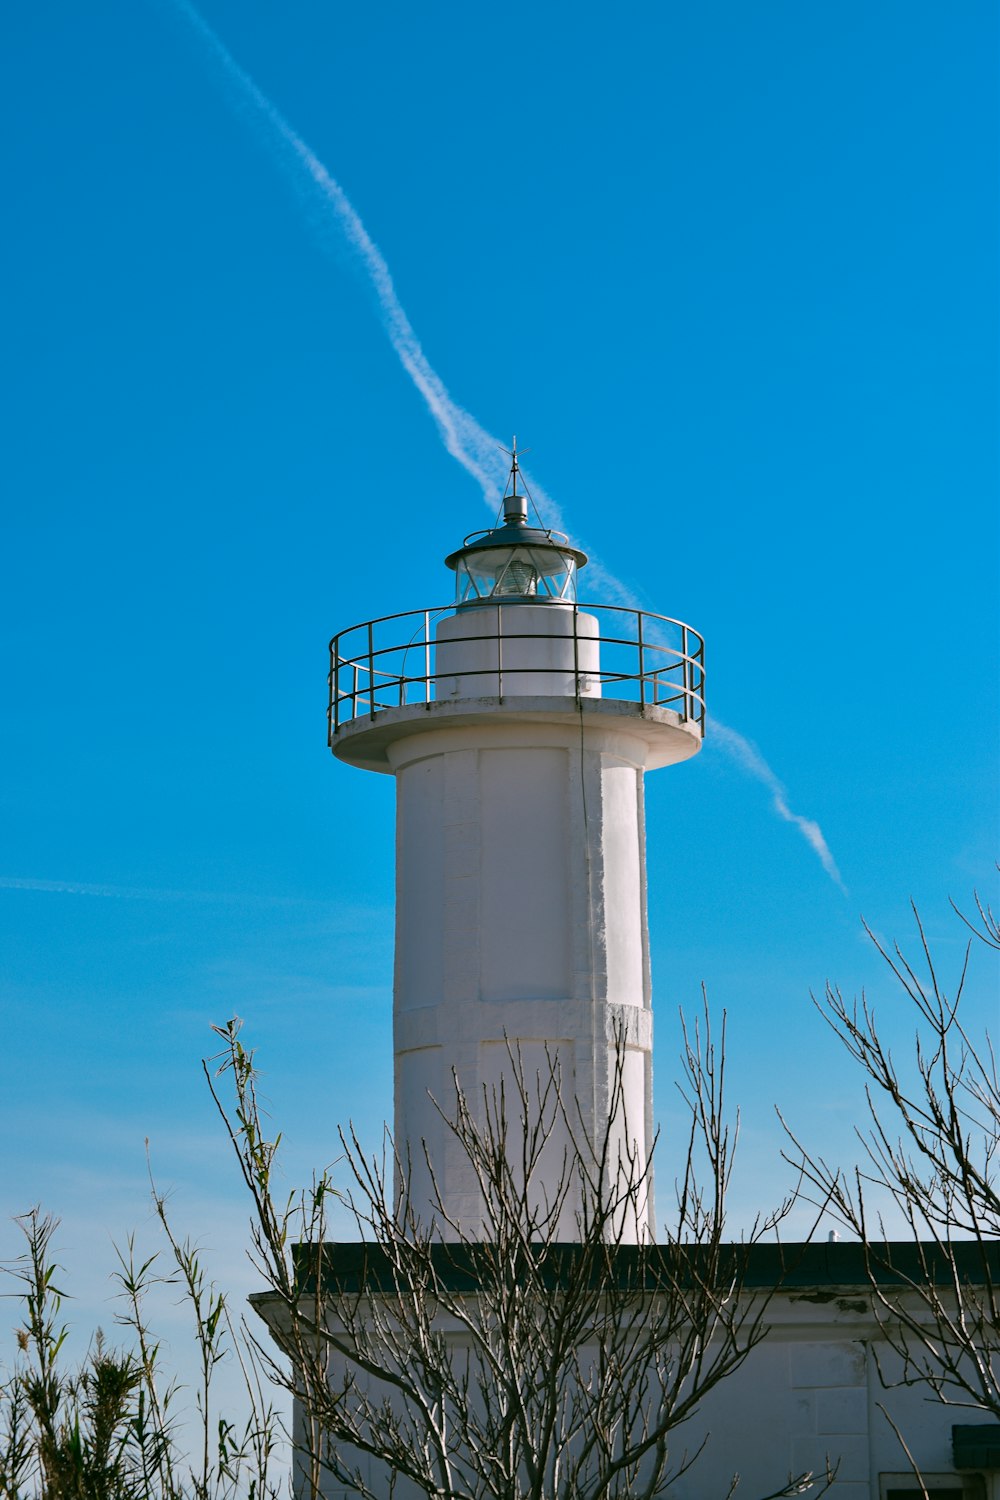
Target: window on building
(937,1486)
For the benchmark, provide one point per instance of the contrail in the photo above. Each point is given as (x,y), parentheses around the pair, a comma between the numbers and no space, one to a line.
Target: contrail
(142,893)
(746,754)
(107,892)
(477,450)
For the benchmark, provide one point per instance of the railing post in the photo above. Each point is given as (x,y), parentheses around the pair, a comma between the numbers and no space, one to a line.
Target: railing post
(333,696)
(427,657)
(686,672)
(576,652)
(499,652)
(642,663)
(371,671)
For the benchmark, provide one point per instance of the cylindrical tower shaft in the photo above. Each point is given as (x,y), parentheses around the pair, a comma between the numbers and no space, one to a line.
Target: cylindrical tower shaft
(521,941)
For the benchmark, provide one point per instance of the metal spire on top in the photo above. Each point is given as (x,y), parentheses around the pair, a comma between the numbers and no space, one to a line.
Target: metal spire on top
(516,543)
(515,506)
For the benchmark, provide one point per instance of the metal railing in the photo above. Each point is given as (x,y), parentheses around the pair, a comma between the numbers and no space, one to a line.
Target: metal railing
(644,658)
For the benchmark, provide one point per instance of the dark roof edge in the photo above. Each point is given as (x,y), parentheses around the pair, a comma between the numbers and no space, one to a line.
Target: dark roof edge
(349,1265)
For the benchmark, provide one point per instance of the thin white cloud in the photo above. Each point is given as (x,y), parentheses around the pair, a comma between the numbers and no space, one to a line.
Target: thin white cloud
(749,758)
(477,450)
(148,893)
(108,892)
(474,448)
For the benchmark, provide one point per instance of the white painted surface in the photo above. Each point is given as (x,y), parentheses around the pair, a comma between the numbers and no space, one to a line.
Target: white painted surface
(523,802)
(367,742)
(520,892)
(622,872)
(811,1393)
(497,650)
(520,921)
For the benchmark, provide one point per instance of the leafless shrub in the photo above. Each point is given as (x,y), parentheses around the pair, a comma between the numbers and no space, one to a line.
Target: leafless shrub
(932,1144)
(501,1360)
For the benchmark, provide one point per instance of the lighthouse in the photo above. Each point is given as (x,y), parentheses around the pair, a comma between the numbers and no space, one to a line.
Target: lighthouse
(519,725)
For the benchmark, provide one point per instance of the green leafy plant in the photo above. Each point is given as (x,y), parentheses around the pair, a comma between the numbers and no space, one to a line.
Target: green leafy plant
(111,1428)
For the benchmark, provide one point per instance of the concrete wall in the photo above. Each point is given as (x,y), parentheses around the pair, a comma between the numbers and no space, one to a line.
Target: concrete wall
(515,650)
(520,925)
(811,1392)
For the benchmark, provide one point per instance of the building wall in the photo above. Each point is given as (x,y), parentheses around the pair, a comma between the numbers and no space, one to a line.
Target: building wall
(810,1393)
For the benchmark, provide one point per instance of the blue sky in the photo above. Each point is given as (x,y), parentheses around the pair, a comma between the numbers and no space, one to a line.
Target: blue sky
(730,271)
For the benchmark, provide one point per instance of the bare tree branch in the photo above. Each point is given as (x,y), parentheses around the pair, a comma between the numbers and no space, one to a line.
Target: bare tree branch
(494,1358)
(931,1148)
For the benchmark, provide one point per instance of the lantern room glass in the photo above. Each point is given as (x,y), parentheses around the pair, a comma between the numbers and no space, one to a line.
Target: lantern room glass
(534,574)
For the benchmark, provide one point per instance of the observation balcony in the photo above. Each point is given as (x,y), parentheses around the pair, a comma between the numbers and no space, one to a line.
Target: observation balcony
(430,668)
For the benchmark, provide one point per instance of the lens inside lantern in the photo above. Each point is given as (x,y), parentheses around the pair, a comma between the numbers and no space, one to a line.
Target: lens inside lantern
(516,578)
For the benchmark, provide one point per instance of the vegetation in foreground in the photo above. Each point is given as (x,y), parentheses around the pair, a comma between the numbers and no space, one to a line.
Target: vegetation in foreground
(114,1428)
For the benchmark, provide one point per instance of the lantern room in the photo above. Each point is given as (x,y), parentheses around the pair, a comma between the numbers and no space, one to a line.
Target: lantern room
(515,562)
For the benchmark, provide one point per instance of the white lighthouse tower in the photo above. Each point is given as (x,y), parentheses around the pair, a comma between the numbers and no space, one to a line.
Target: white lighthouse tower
(518,726)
